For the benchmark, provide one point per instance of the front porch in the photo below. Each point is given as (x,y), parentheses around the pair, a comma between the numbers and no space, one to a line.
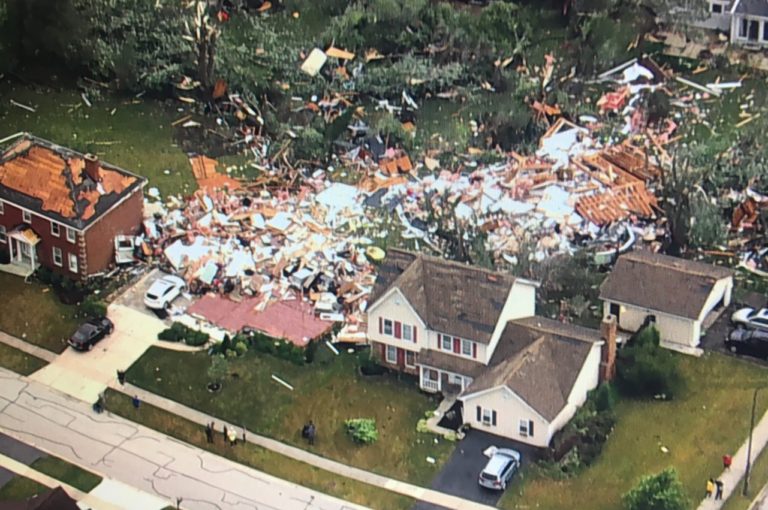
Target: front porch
(435,380)
(22,243)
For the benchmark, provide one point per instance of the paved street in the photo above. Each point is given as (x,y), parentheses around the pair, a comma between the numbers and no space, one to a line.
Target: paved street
(142,458)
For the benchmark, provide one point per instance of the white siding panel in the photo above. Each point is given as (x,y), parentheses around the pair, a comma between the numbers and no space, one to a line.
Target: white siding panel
(510,409)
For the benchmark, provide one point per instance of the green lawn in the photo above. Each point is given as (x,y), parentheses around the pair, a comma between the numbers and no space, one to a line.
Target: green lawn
(710,418)
(19,361)
(258,458)
(20,489)
(68,473)
(35,314)
(328,391)
(135,134)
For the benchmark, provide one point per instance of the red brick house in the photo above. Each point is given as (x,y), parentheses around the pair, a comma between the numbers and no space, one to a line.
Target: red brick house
(62,209)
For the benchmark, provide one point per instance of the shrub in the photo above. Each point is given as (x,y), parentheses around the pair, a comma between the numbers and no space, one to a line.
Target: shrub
(278,348)
(44,275)
(645,370)
(362,430)
(241,348)
(94,307)
(218,369)
(662,491)
(178,332)
(605,397)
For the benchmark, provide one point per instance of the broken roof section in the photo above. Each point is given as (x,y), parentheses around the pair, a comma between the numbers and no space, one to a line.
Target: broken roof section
(69,187)
(207,177)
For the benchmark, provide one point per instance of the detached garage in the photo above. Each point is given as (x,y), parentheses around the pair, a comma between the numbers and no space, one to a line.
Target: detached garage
(681,297)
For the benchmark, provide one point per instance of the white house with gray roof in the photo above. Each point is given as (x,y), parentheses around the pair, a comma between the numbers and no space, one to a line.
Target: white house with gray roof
(746,21)
(472,333)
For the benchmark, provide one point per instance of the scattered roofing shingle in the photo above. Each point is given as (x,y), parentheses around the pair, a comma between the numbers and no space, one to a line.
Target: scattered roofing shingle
(539,360)
(51,180)
(659,282)
(450,297)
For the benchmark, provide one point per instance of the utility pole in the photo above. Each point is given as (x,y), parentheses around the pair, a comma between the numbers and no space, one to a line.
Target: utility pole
(749,444)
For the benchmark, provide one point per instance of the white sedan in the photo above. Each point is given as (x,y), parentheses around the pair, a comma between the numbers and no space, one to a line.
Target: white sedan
(751,318)
(163,291)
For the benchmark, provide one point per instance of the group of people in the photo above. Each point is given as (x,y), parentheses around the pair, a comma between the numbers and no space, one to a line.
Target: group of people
(716,486)
(230,434)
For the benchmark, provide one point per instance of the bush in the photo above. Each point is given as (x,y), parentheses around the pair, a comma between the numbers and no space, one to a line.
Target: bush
(94,307)
(178,332)
(362,430)
(278,348)
(662,491)
(241,348)
(605,397)
(645,370)
(44,275)
(218,369)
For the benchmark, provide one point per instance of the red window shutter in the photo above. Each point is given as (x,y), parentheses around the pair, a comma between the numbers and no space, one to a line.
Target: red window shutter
(383,351)
(414,333)
(530,428)
(398,329)
(381,325)
(479,414)
(400,357)
(439,341)
(456,345)
(493,418)
(474,350)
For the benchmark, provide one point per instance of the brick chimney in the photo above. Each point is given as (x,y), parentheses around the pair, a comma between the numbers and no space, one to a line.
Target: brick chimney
(608,356)
(92,167)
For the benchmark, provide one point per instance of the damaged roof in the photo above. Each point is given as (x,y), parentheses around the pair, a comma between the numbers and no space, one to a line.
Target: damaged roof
(52,181)
(450,297)
(659,282)
(539,360)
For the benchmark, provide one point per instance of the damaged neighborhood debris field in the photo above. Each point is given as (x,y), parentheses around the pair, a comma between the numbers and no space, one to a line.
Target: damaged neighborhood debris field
(291,146)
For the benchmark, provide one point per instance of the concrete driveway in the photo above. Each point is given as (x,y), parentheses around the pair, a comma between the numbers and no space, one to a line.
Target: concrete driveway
(133,297)
(84,375)
(459,475)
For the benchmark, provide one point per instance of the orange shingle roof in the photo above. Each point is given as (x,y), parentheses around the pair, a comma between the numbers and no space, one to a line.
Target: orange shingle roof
(52,179)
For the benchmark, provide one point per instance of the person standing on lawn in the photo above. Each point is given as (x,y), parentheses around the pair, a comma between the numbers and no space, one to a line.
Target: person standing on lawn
(710,487)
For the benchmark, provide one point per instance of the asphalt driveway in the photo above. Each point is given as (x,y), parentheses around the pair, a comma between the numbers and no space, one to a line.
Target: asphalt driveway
(459,475)
(715,336)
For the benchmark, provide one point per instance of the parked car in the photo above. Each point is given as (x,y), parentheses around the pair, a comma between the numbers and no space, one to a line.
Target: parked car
(500,468)
(90,333)
(163,291)
(751,318)
(748,341)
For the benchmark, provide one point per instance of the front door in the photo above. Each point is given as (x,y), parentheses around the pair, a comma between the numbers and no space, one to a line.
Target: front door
(23,253)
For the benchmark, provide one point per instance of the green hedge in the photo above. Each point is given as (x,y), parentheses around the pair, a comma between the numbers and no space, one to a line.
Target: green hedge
(178,332)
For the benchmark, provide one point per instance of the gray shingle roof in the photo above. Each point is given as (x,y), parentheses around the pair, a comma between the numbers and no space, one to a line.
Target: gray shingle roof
(752,8)
(450,297)
(539,360)
(659,282)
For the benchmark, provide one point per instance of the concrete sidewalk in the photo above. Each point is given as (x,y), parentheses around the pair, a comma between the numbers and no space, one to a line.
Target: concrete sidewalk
(43,354)
(404,488)
(732,477)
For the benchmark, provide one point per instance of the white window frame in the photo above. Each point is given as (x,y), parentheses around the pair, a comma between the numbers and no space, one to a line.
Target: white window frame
(2,207)
(723,7)
(413,359)
(3,236)
(524,428)
(71,235)
(389,327)
(55,229)
(26,216)
(456,379)
(467,344)
(443,338)
(406,332)
(58,255)
(72,260)
(391,349)
(486,417)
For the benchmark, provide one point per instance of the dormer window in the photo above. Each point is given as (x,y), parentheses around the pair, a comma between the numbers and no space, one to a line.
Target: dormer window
(26,217)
